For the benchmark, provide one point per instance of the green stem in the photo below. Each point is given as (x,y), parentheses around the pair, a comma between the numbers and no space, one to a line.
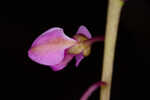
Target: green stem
(113,15)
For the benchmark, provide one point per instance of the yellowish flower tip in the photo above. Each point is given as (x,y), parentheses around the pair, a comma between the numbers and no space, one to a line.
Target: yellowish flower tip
(80,46)
(76,49)
(87,51)
(80,37)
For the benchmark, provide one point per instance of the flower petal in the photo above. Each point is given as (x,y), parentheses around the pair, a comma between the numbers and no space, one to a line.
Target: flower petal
(91,89)
(79,59)
(84,31)
(48,48)
(63,63)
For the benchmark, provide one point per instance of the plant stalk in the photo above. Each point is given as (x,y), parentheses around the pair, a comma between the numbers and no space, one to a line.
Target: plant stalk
(113,17)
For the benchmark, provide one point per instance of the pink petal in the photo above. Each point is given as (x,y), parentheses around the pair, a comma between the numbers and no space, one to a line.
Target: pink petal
(48,48)
(63,63)
(79,59)
(91,89)
(84,31)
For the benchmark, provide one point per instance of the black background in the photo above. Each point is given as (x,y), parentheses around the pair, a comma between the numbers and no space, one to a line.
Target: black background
(22,78)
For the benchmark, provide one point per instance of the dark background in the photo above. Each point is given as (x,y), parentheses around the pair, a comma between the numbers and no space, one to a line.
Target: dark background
(21,78)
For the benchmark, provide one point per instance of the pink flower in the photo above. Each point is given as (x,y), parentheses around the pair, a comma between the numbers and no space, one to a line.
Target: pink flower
(54,49)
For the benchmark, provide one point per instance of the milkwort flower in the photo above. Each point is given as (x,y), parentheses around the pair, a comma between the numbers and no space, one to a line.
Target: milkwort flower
(54,49)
